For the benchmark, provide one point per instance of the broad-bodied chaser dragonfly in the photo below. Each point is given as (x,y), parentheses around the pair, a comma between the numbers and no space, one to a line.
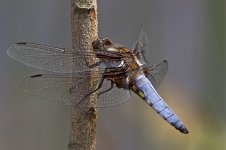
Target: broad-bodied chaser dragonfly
(115,72)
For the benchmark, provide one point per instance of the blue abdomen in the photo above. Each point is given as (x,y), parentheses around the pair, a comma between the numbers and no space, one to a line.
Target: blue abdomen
(143,87)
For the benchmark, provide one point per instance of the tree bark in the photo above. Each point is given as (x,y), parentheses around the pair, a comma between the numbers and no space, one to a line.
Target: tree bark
(82,132)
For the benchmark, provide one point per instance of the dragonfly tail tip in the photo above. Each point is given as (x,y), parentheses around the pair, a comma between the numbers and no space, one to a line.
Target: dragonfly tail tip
(183,129)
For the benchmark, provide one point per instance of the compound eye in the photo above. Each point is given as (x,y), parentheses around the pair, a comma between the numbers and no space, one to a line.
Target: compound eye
(97,44)
(107,42)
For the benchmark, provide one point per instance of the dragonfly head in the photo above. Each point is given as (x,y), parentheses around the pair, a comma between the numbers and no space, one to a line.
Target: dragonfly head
(101,43)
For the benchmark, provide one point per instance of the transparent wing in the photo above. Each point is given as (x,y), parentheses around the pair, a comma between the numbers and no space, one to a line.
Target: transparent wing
(141,47)
(49,58)
(115,96)
(74,89)
(156,73)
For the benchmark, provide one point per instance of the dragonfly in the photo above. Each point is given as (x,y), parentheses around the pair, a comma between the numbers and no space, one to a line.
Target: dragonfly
(114,73)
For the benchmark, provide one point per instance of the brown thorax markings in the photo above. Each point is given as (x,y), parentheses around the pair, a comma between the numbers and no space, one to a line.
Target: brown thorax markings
(127,71)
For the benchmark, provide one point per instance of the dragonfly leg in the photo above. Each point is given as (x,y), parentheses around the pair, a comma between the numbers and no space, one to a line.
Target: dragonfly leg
(94,64)
(87,95)
(112,86)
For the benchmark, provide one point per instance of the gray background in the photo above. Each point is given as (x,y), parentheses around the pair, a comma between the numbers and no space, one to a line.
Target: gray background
(191,35)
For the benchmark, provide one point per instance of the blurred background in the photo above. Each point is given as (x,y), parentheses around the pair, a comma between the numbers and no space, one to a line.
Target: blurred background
(191,35)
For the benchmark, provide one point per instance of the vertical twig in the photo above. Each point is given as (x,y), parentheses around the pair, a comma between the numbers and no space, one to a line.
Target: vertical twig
(82,132)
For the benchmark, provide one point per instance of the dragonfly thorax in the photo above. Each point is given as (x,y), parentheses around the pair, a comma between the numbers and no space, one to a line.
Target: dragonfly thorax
(114,64)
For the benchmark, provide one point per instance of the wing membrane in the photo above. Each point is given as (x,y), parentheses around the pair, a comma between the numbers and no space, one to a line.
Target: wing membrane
(50,58)
(115,96)
(156,73)
(74,89)
(141,47)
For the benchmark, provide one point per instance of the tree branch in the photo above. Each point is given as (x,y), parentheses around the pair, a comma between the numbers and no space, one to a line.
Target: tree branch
(82,132)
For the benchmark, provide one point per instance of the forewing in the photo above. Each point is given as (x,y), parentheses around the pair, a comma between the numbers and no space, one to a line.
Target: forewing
(141,47)
(50,58)
(74,89)
(156,73)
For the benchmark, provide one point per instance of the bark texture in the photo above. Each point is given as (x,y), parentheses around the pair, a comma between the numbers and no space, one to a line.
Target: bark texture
(82,132)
